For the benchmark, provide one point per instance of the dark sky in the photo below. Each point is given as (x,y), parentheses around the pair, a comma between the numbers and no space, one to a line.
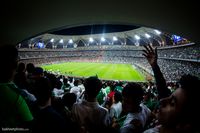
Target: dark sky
(23,19)
(94,29)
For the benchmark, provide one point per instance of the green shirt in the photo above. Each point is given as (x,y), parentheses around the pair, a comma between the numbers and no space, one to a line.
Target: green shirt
(14,110)
(100,97)
(119,88)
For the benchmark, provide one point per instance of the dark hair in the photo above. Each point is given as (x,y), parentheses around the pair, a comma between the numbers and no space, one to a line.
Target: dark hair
(21,67)
(188,82)
(76,82)
(30,67)
(42,90)
(92,86)
(117,96)
(69,99)
(8,53)
(9,61)
(191,84)
(133,91)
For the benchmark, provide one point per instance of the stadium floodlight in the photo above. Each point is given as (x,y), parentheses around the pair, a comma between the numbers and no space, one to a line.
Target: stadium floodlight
(137,37)
(115,38)
(75,45)
(61,41)
(91,39)
(147,35)
(157,32)
(103,39)
(52,40)
(70,41)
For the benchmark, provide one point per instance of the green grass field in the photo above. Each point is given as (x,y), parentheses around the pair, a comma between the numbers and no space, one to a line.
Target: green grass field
(103,70)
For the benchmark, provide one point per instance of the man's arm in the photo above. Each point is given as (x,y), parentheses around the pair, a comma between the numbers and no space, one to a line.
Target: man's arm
(152,56)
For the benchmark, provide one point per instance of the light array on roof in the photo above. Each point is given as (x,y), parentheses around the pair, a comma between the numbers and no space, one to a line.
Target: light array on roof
(52,40)
(115,38)
(70,41)
(157,32)
(138,37)
(91,39)
(103,39)
(61,41)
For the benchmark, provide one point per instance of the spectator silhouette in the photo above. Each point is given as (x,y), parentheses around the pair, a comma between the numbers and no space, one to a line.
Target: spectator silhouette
(20,80)
(30,69)
(116,107)
(178,112)
(89,114)
(14,111)
(46,118)
(137,113)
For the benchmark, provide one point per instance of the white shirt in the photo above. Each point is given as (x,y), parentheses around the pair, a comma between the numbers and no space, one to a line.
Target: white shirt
(90,113)
(76,90)
(153,130)
(142,116)
(116,109)
(58,92)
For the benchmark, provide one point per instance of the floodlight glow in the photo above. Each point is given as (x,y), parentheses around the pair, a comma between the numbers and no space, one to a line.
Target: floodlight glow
(61,41)
(137,44)
(70,41)
(103,39)
(115,38)
(137,37)
(91,39)
(52,40)
(147,35)
(157,32)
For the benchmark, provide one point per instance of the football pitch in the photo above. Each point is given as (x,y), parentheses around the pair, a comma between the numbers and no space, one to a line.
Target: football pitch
(105,71)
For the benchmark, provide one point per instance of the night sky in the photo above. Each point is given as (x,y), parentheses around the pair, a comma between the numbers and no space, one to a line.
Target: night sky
(95,29)
(22,19)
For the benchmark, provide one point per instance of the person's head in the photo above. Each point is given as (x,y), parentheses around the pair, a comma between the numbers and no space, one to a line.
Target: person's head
(92,86)
(180,109)
(42,90)
(69,99)
(30,67)
(9,61)
(76,82)
(38,72)
(132,96)
(117,97)
(21,67)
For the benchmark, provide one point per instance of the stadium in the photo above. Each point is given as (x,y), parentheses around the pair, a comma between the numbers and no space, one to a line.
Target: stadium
(71,38)
(81,35)
(84,53)
(99,66)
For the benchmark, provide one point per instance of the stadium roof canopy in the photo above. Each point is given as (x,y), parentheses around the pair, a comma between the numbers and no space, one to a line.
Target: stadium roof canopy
(22,20)
(130,37)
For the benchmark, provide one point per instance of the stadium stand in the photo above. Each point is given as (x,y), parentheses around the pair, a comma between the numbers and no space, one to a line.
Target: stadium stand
(174,60)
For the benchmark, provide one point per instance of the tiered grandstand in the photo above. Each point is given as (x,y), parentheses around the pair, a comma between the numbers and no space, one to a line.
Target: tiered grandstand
(174,60)
(176,55)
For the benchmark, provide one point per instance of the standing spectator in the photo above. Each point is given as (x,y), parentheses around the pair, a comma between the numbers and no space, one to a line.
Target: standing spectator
(46,117)
(137,114)
(29,70)
(89,114)
(75,89)
(116,107)
(14,111)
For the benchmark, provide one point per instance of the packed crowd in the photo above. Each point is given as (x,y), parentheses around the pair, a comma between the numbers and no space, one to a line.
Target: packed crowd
(34,100)
(190,51)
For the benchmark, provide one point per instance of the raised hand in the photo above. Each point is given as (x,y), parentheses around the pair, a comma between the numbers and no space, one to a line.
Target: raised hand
(150,54)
